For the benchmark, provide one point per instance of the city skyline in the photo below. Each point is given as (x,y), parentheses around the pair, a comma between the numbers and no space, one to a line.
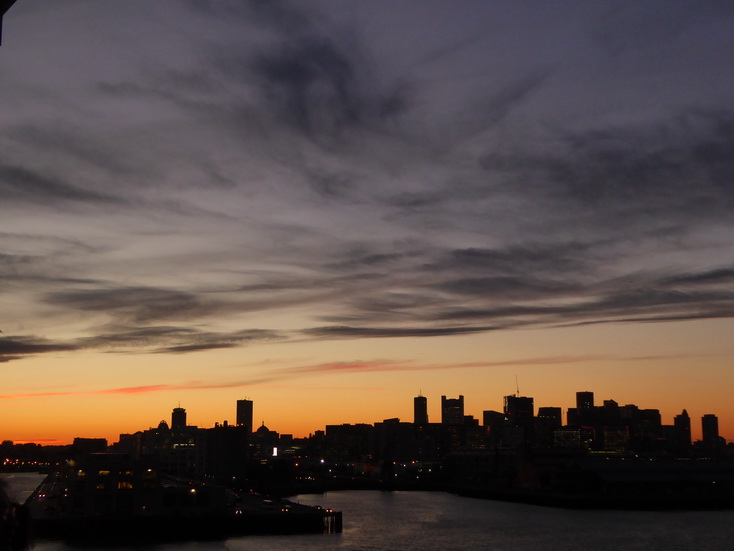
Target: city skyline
(449,410)
(330,206)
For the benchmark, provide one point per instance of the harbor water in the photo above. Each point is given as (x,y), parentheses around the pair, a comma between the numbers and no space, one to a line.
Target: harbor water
(427,521)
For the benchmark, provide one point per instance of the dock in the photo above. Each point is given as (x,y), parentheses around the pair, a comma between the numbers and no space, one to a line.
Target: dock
(112,500)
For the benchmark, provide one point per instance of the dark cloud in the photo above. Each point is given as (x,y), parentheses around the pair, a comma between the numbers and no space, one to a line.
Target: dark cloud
(151,339)
(178,340)
(652,174)
(721,275)
(414,200)
(629,28)
(523,260)
(312,83)
(526,286)
(618,305)
(394,171)
(76,142)
(659,300)
(506,287)
(312,76)
(12,264)
(489,110)
(503,316)
(139,304)
(29,269)
(18,183)
(16,347)
(346,332)
(371,258)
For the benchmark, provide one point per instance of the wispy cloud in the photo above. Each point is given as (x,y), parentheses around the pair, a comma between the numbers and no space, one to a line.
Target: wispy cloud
(251,160)
(283,377)
(13,348)
(132,390)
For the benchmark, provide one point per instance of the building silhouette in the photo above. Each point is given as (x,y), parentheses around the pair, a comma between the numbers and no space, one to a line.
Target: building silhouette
(682,430)
(420,410)
(614,450)
(178,419)
(552,415)
(584,400)
(710,428)
(244,414)
(584,413)
(452,410)
(519,410)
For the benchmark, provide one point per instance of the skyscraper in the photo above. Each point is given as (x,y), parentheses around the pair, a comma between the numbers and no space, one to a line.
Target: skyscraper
(244,414)
(682,425)
(584,400)
(551,416)
(178,419)
(519,409)
(452,410)
(420,410)
(710,427)
(585,413)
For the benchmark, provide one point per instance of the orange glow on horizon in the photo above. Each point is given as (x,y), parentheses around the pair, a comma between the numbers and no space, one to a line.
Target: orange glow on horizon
(300,388)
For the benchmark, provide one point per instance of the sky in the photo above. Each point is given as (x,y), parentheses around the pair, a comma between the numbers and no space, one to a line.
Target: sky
(329,207)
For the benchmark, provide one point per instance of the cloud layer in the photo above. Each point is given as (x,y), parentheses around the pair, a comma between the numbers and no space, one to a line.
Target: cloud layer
(181,176)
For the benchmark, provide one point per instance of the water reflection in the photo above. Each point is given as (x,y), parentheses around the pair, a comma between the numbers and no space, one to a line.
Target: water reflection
(426,521)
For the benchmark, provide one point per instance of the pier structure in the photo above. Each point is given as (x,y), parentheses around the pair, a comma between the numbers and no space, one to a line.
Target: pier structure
(111,498)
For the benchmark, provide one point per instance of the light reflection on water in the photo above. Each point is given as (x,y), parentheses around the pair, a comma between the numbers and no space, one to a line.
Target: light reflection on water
(428,521)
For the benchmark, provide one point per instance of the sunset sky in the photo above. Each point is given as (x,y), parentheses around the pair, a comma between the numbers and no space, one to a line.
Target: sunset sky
(330,207)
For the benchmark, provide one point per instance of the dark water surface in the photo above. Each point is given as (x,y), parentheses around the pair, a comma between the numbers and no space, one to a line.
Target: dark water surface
(428,521)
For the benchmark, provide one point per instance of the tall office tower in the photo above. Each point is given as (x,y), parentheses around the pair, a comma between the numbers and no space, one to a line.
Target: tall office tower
(710,427)
(551,416)
(420,410)
(682,429)
(244,414)
(178,419)
(452,410)
(585,400)
(519,409)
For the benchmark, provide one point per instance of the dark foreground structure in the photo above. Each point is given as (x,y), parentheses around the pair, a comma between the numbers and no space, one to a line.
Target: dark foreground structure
(4,6)
(575,479)
(109,499)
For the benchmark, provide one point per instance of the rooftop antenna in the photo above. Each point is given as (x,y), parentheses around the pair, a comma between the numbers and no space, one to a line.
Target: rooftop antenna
(517,386)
